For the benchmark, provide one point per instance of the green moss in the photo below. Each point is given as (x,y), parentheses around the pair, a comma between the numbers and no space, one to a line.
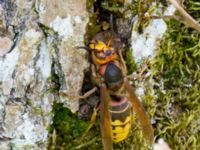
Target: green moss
(93,27)
(115,7)
(130,63)
(54,83)
(176,76)
(68,128)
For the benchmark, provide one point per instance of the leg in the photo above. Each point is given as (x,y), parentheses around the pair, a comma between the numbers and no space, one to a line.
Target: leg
(96,78)
(92,121)
(135,76)
(87,94)
(122,61)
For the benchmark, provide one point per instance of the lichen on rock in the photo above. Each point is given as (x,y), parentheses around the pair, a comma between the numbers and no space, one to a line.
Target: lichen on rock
(144,44)
(70,25)
(38,35)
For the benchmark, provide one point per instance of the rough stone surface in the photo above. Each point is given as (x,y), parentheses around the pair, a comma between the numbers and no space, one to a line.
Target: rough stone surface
(49,11)
(70,25)
(34,36)
(5,46)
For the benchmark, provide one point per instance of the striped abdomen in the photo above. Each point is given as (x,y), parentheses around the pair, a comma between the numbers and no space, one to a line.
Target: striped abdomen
(121,116)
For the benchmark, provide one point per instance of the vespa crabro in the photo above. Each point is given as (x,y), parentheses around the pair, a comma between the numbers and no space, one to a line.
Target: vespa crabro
(117,98)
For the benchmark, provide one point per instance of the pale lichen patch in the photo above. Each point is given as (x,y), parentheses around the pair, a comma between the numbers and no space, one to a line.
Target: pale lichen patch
(144,44)
(45,61)
(7,68)
(62,26)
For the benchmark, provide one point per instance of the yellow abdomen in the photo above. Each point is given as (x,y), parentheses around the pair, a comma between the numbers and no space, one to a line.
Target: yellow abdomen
(120,120)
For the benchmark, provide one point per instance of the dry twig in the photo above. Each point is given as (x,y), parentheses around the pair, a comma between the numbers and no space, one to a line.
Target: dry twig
(187,18)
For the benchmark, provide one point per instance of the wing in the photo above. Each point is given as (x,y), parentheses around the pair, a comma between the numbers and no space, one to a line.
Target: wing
(145,123)
(105,119)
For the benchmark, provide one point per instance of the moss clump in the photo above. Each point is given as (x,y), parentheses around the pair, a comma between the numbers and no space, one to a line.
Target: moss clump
(130,63)
(92,28)
(55,85)
(176,86)
(115,7)
(66,128)
(176,72)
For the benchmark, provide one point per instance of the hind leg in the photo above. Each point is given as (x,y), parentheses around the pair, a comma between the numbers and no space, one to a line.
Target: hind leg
(92,122)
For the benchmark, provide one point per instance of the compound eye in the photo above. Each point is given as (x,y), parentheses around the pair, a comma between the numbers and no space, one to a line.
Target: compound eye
(108,52)
(100,55)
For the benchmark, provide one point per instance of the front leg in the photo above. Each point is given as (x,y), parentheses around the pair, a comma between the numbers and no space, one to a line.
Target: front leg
(96,77)
(78,97)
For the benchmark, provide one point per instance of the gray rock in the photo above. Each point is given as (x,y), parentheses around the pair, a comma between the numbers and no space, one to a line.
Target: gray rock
(34,42)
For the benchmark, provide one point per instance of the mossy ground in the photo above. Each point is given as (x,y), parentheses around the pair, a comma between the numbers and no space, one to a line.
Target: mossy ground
(172,97)
(176,76)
